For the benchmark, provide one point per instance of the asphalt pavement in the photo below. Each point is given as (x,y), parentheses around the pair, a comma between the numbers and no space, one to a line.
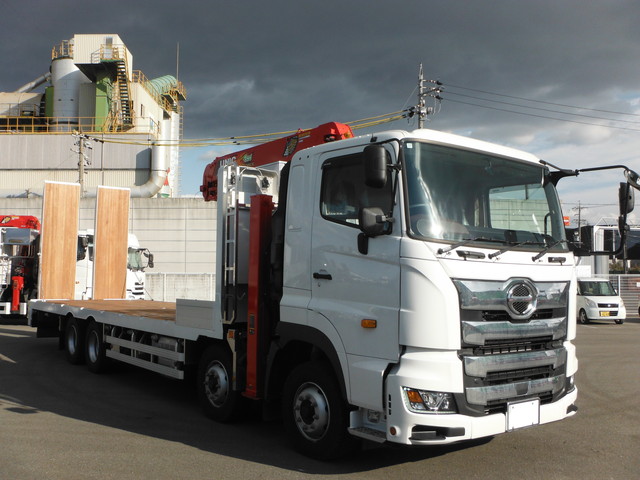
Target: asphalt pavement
(59,421)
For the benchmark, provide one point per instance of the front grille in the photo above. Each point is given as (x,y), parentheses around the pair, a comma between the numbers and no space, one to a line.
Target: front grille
(498,378)
(607,305)
(497,347)
(503,316)
(501,406)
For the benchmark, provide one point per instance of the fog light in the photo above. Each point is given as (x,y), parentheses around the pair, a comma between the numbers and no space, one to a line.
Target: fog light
(424,401)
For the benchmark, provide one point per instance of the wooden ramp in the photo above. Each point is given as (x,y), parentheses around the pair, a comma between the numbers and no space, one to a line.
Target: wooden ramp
(59,240)
(111,243)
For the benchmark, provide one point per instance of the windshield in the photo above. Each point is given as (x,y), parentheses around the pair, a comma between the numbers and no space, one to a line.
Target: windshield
(596,289)
(459,195)
(136,261)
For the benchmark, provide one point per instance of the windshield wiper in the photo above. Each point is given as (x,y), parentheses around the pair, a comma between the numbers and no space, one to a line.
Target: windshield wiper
(512,246)
(546,249)
(467,241)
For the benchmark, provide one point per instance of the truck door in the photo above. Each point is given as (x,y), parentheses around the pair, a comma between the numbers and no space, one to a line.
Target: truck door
(347,286)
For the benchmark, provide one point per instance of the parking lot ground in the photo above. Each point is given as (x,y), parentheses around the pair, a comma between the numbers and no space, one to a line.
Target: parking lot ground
(59,421)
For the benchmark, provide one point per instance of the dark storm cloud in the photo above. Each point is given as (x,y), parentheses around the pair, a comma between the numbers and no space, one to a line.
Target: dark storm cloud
(293,64)
(257,66)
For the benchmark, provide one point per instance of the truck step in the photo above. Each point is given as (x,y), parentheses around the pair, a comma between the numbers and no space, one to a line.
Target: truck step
(369,434)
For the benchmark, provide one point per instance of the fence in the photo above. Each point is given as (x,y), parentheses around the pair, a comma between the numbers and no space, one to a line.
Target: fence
(166,287)
(628,286)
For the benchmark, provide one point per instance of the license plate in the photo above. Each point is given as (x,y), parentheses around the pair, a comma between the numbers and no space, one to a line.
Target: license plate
(523,414)
(604,314)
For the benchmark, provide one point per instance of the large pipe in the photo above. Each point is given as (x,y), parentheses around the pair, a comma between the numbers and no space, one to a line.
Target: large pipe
(27,87)
(157,175)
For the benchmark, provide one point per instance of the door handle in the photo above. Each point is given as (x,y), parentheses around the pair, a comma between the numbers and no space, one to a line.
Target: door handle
(322,276)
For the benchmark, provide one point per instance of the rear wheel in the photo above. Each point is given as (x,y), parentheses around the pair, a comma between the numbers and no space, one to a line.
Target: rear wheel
(582,317)
(95,354)
(316,416)
(215,386)
(74,341)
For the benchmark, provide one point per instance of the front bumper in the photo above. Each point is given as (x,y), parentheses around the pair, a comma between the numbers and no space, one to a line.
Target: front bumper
(597,313)
(407,427)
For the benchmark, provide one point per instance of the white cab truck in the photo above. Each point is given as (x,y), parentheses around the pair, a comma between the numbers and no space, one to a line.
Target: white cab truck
(406,287)
(138,259)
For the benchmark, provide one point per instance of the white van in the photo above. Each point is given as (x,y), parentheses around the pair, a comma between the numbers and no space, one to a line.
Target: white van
(598,300)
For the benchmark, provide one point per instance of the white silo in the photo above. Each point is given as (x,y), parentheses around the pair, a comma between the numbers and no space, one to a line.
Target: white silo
(66,79)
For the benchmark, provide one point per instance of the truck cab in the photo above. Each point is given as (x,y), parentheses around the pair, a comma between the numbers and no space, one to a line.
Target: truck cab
(443,281)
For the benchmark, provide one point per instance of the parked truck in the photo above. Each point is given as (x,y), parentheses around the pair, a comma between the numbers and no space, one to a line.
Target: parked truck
(138,260)
(406,287)
(18,262)
(19,249)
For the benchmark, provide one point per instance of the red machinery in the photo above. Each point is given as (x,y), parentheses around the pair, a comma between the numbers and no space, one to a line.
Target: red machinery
(280,150)
(20,221)
(18,237)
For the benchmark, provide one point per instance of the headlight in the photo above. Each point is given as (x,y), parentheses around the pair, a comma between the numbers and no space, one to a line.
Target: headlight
(423,401)
(590,303)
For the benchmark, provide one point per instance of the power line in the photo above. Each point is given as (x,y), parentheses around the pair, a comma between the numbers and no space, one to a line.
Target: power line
(545,109)
(541,101)
(541,116)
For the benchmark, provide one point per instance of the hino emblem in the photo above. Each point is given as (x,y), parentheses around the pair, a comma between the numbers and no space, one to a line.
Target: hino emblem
(521,299)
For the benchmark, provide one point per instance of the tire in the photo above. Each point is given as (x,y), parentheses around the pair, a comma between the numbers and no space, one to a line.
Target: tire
(315,415)
(620,321)
(215,388)
(582,317)
(74,334)
(95,353)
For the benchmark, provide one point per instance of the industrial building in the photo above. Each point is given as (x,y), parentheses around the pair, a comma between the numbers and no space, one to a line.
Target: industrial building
(92,119)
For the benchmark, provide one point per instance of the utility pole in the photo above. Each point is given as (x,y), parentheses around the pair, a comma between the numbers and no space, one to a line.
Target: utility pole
(423,92)
(82,143)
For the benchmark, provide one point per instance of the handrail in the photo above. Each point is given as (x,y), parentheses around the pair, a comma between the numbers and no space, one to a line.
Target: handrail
(64,125)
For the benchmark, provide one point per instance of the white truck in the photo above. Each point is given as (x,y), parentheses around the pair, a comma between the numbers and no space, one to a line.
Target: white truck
(406,287)
(138,259)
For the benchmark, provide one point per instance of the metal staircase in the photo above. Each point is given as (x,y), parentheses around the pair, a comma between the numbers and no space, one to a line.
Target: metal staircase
(124,93)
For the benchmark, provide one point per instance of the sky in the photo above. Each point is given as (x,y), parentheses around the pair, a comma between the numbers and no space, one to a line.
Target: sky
(556,78)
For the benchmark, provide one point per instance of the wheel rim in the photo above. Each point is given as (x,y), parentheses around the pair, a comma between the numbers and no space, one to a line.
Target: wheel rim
(72,340)
(93,347)
(583,316)
(216,384)
(311,411)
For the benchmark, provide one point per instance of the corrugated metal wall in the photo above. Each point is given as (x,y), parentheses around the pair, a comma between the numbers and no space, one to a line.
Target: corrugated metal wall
(59,151)
(180,232)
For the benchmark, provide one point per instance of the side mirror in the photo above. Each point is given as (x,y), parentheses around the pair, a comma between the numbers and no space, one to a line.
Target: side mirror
(375,166)
(633,178)
(626,198)
(372,221)
(150,263)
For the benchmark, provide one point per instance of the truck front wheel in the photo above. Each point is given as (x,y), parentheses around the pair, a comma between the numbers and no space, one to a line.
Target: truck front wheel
(74,341)
(315,415)
(215,387)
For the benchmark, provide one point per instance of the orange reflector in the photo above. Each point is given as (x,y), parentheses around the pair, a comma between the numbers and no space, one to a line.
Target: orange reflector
(413,396)
(368,323)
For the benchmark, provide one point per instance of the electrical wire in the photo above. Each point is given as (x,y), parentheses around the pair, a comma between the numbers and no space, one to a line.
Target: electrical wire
(541,101)
(541,116)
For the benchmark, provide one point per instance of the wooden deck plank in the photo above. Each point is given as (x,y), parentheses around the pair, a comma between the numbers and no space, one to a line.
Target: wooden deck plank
(138,308)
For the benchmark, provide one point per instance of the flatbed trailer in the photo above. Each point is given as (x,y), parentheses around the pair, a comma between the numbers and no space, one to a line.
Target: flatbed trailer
(144,333)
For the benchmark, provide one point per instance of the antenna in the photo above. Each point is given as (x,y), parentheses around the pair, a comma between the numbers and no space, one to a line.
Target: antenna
(178,61)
